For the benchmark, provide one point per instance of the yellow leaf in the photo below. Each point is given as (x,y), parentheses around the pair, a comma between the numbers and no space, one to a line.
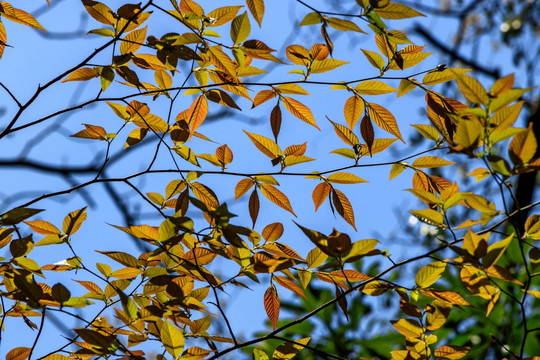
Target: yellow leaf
(172,338)
(222,15)
(43,227)
(378,146)
(429,216)
(345,178)
(374,59)
(472,89)
(263,96)
(99,12)
(523,146)
(372,87)
(265,145)
(298,54)
(240,28)
(431,162)
(408,327)
(288,350)
(19,16)
(439,77)
(150,122)
(320,66)
(345,134)
(271,305)
(135,136)
(502,85)
(429,274)
(133,41)
(315,258)
(397,11)
(293,89)
(3,39)
(82,74)
(277,197)
(396,169)
(73,221)
(384,119)
(256,7)
(222,61)
(344,25)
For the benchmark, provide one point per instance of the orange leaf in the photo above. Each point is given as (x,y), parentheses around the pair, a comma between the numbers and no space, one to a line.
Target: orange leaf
(343,207)
(345,134)
(299,110)
(18,353)
(451,351)
(205,194)
(271,305)
(82,74)
(289,284)
(384,119)
(91,132)
(320,193)
(197,113)
(263,96)
(242,187)
(43,227)
(277,197)
(100,12)
(345,178)
(224,154)
(272,232)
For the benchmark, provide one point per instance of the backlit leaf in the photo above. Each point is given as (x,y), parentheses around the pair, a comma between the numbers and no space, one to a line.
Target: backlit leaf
(272,232)
(18,353)
(242,187)
(384,119)
(271,305)
(254,206)
(172,338)
(451,351)
(99,11)
(288,350)
(133,41)
(265,145)
(299,110)
(429,216)
(19,16)
(343,25)
(320,193)
(240,28)
(277,197)
(73,221)
(374,59)
(345,178)
(472,89)
(372,87)
(431,162)
(408,327)
(353,109)
(502,85)
(325,65)
(523,146)
(82,74)
(256,7)
(345,134)
(439,77)
(91,132)
(43,227)
(343,207)
(289,284)
(429,274)
(397,11)
(222,15)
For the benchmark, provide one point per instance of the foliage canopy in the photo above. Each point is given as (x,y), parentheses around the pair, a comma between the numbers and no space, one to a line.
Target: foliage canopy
(166,300)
